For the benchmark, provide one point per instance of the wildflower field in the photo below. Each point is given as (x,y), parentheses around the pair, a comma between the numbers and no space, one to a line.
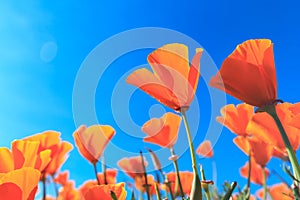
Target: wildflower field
(171,150)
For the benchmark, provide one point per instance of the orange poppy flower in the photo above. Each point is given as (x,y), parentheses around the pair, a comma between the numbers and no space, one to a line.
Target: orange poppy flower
(205,149)
(48,140)
(103,192)
(19,184)
(62,178)
(279,191)
(59,157)
(264,127)
(174,81)
(186,179)
(92,141)
(260,151)
(111,176)
(162,131)
(23,154)
(26,154)
(236,118)
(256,174)
(68,192)
(249,73)
(132,166)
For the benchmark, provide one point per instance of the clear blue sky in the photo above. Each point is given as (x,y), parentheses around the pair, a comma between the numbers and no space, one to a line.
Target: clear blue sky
(43,45)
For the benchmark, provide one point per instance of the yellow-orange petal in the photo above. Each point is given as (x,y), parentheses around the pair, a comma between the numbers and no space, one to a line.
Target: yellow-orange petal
(6,160)
(150,84)
(92,141)
(205,149)
(236,118)
(25,178)
(25,153)
(173,82)
(162,131)
(249,73)
(47,139)
(170,57)
(103,192)
(43,160)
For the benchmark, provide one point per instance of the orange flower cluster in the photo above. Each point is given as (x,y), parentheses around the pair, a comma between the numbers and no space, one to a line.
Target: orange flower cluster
(30,159)
(247,74)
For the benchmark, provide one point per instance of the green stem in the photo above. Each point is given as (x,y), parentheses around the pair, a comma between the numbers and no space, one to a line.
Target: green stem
(188,132)
(229,192)
(95,170)
(196,192)
(104,170)
(44,186)
(168,184)
(265,183)
(145,176)
(249,172)
(205,187)
(55,186)
(271,110)
(177,174)
(157,192)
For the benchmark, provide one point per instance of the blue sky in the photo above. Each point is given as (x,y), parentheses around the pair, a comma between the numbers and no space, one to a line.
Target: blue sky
(44,44)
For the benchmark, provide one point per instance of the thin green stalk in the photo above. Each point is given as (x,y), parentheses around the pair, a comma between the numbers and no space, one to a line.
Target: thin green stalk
(145,176)
(104,170)
(44,185)
(55,186)
(157,192)
(249,172)
(196,192)
(265,183)
(177,174)
(168,184)
(271,110)
(205,187)
(188,132)
(95,170)
(229,192)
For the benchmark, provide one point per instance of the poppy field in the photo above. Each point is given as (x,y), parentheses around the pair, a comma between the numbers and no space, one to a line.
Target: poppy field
(264,126)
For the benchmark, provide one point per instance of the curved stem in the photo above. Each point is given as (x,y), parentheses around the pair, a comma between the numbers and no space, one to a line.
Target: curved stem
(271,110)
(265,183)
(95,170)
(177,174)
